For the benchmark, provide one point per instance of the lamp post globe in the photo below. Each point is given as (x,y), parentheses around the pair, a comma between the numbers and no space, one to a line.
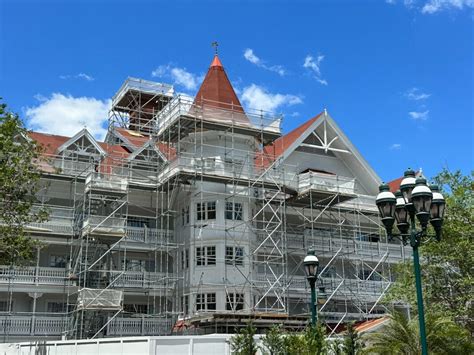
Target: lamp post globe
(421,198)
(311,265)
(438,205)
(386,202)
(401,214)
(407,185)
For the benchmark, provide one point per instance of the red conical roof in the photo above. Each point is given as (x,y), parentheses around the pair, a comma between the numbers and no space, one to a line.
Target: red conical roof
(216,89)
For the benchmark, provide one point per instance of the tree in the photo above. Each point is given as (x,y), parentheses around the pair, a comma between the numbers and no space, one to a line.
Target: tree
(243,343)
(273,341)
(448,265)
(401,336)
(315,337)
(19,181)
(352,341)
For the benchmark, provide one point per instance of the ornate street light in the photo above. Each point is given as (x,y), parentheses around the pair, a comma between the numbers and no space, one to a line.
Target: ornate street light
(425,202)
(311,265)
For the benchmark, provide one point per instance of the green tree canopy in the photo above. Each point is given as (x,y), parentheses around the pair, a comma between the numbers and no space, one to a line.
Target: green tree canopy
(19,181)
(447,266)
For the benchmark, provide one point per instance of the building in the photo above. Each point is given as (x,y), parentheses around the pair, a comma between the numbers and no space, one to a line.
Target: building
(194,215)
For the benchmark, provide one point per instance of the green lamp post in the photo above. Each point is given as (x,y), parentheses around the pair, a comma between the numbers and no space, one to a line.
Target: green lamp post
(311,265)
(415,198)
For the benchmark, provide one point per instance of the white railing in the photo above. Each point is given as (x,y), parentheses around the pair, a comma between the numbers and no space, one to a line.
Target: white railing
(60,220)
(139,279)
(141,85)
(149,235)
(351,247)
(104,225)
(33,275)
(220,112)
(364,288)
(139,326)
(106,182)
(325,182)
(32,325)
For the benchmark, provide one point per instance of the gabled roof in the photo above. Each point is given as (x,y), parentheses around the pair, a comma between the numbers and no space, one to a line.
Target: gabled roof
(281,145)
(394,185)
(216,89)
(90,138)
(49,142)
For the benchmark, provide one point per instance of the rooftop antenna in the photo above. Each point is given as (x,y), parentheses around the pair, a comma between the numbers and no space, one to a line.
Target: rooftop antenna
(215,45)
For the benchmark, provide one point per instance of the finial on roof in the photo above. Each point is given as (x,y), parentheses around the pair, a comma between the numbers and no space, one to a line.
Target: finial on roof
(215,45)
(325,112)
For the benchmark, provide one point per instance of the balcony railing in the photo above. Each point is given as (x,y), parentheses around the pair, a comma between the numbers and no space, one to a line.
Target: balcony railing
(353,248)
(325,182)
(104,225)
(141,280)
(106,182)
(33,275)
(60,221)
(362,288)
(139,326)
(29,325)
(149,235)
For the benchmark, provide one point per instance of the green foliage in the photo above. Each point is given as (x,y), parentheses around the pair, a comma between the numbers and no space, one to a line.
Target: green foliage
(312,341)
(19,181)
(273,341)
(401,336)
(447,266)
(352,341)
(243,342)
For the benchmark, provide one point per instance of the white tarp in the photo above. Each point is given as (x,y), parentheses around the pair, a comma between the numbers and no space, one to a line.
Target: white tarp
(101,299)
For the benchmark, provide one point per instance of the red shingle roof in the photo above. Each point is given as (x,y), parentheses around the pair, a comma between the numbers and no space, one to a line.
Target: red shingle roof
(279,146)
(217,91)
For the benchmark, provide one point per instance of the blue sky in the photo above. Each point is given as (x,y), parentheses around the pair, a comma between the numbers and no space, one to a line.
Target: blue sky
(397,75)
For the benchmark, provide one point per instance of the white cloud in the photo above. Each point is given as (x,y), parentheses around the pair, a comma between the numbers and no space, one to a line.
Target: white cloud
(395,146)
(258,97)
(419,115)
(416,95)
(434,6)
(66,115)
(314,66)
(252,58)
(179,76)
(83,76)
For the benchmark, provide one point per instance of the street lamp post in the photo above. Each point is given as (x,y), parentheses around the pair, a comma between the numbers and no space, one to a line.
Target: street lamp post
(415,198)
(311,265)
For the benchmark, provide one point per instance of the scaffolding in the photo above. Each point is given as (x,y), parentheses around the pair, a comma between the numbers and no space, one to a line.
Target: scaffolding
(194,160)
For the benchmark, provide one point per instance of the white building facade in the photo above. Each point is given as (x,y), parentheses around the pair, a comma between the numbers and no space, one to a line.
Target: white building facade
(194,214)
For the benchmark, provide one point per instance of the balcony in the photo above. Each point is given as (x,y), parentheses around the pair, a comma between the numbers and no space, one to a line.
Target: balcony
(104,225)
(29,325)
(141,280)
(327,285)
(60,221)
(327,245)
(106,183)
(149,235)
(139,326)
(33,275)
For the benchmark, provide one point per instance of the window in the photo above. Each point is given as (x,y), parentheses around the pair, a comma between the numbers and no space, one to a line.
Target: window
(185,304)
(205,256)
(185,216)
(235,301)
(139,222)
(365,273)
(206,210)
(56,307)
(136,308)
(206,302)
(184,259)
(4,306)
(139,265)
(57,261)
(233,211)
(234,255)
